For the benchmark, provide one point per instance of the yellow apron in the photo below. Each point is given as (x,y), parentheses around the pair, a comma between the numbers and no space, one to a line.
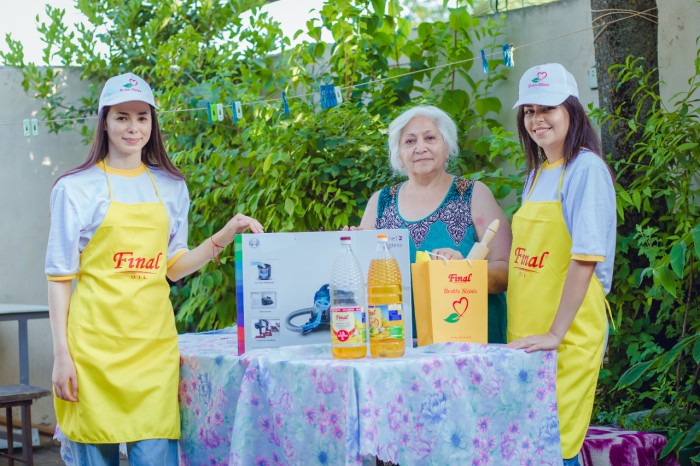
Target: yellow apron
(539,261)
(121,331)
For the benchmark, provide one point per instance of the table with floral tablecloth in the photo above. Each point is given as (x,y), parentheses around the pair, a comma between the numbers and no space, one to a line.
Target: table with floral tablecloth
(439,404)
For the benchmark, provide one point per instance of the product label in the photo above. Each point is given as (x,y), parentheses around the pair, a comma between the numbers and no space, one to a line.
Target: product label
(385,321)
(348,326)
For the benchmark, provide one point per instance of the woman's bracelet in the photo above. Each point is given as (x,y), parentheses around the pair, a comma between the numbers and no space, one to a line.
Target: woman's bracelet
(214,243)
(215,251)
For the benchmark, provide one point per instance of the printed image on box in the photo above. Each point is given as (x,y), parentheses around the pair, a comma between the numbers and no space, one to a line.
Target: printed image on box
(264,271)
(266,299)
(264,328)
(282,284)
(313,318)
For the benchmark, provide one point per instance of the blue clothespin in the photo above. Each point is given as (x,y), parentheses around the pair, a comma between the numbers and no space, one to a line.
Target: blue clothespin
(328,98)
(508,55)
(237,111)
(25,124)
(35,127)
(209,115)
(512,55)
(484,62)
(284,102)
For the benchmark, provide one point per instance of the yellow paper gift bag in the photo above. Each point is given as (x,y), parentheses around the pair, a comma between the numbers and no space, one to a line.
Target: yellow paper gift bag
(450,300)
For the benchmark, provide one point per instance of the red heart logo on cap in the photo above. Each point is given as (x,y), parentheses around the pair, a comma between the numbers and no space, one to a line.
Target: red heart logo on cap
(541,75)
(133,82)
(460,306)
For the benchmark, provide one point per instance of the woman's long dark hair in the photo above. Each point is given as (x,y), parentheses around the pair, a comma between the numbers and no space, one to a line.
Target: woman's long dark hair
(580,135)
(153,154)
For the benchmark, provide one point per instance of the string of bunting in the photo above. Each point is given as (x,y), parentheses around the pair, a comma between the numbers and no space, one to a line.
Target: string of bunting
(330,95)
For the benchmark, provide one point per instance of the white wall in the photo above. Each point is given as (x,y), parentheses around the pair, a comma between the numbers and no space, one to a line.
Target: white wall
(28,168)
(569,21)
(29,165)
(679,27)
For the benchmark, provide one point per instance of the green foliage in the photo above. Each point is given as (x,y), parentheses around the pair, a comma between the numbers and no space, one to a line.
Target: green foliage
(310,170)
(655,295)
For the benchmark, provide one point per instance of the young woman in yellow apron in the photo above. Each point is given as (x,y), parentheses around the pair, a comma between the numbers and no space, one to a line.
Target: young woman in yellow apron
(119,226)
(563,245)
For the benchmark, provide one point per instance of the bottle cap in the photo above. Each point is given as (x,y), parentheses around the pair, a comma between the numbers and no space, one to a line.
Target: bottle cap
(383,237)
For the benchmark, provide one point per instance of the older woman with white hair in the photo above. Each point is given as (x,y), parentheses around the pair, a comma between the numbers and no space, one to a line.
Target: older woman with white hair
(444,214)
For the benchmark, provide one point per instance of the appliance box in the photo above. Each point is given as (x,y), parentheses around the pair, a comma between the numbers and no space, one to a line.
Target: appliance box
(282,292)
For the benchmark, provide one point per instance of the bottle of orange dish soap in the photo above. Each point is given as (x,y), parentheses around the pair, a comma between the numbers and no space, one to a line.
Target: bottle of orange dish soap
(385,300)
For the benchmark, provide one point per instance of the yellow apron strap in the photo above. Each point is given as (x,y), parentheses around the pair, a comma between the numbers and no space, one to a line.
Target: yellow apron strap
(607,303)
(154,184)
(148,172)
(109,186)
(607,306)
(534,180)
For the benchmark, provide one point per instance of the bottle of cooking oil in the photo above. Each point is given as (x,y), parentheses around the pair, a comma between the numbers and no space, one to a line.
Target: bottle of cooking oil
(385,299)
(348,317)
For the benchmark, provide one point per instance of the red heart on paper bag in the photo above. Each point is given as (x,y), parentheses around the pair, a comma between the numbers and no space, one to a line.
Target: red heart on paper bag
(460,306)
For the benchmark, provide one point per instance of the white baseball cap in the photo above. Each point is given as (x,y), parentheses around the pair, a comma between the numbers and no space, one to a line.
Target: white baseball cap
(548,84)
(126,87)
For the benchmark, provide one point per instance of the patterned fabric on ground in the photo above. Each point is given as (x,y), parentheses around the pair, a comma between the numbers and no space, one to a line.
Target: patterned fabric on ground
(607,446)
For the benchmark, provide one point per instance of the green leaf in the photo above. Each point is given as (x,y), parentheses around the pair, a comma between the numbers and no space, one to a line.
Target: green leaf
(452,318)
(379,6)
(668,358)
(624,195)
(637,199)
(678,258)
(666,278)
(486,105)
(633,374)
(696,349)
(696,239)
(454,101)
(672,445)
(692,436)
(289,206)
(394,8)
(687,146)
(267,163)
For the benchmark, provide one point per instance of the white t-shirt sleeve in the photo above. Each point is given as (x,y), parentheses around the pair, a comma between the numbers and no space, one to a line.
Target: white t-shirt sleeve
(62,252)
(589,207)
(179,209)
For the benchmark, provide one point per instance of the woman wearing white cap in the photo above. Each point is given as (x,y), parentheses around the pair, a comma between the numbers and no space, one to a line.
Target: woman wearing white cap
(563,244)
(119,226)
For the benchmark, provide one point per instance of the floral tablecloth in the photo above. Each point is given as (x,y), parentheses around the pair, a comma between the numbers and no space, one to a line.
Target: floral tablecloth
(440,404)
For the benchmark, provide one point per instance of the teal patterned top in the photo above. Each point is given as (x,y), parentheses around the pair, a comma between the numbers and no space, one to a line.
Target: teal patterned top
(449,226)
